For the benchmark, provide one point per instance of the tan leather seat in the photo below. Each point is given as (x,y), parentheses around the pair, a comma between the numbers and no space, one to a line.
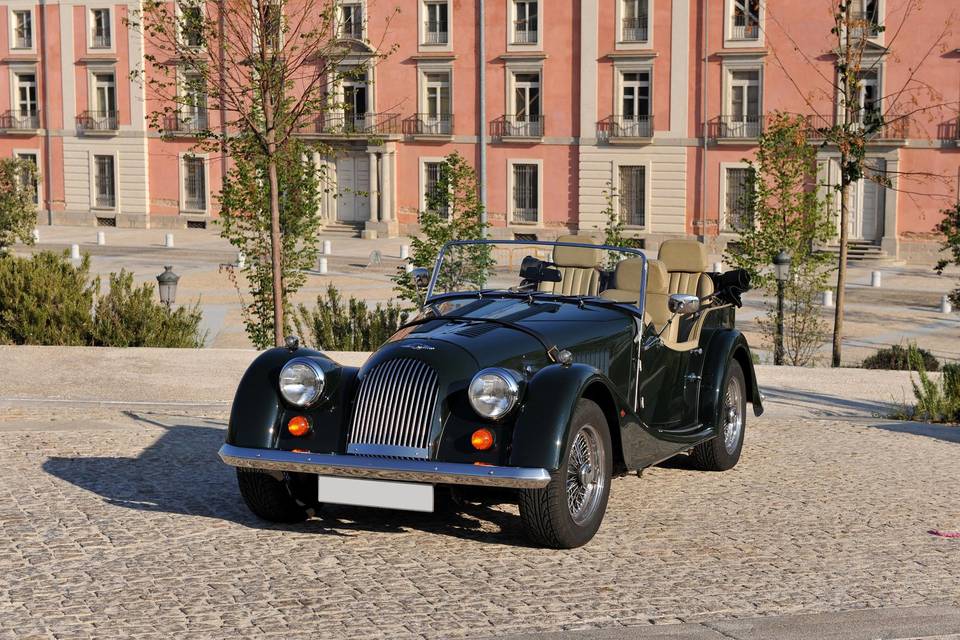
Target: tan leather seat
(627,277)
(626,288)
(686,261)
(579,268)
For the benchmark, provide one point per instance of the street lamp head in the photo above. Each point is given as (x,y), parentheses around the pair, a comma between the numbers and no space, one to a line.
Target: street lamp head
(781,266)
(167,285)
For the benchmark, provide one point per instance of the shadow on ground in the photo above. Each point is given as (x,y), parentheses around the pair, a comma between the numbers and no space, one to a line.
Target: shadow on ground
(827,405)
(946,433)
(180,473)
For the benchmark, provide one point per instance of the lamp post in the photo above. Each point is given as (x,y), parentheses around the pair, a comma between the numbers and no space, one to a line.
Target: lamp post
(167,284)
(781,267)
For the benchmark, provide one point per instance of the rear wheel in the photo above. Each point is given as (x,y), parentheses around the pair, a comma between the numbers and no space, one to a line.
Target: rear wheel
(568,511)
(723,451)
(280,497)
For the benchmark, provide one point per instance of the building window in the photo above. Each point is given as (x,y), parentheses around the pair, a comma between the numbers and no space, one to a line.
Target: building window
(100,34)
(105,100)
(191,25)
(351,20)
(525,21)
(739,199)
(865,19)
(355,105)
(434,199)
(743,119)
(194,184)
(632,195)
(745,20)
(634,116)
(105,184)
(273,27)
(436,28)
(31,182)
(26,113)
(192,114)
(635,21)
(436,118)
(22,30)
(526,120)
(868,98)
(526,193)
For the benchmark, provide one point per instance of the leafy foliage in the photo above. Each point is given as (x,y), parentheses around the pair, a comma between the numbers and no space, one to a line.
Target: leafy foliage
(788,214)
(614,227)
(129,316)
(47,300)
(936,400)
(18,213)
(453,212)
(245,223)
(950,228)
(898,358)
(352,326)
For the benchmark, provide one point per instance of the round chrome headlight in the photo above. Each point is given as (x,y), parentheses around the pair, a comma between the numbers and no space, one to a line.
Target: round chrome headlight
(493,393)
(301,382)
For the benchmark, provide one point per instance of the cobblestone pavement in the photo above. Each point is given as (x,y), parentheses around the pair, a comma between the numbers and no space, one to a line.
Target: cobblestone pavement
(125,524)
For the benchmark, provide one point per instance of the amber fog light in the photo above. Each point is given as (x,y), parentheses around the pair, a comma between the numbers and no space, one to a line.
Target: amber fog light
(482,439)
(298,426)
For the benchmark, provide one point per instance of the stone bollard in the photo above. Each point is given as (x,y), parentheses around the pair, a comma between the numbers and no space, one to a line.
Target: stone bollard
(36,235)
(404,251)
(323,265)
(241,260)
(168,241)
(327,247)
(74,252)
(945,306)
(876,280)
(101,238)
(828,298)
(718,267)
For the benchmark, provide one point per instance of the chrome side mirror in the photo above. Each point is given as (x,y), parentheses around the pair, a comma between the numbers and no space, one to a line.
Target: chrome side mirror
(420,277)
(683,304)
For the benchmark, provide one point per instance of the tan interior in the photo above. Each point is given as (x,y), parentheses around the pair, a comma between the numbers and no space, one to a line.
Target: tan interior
(627,278)
(579,268)
(686,260)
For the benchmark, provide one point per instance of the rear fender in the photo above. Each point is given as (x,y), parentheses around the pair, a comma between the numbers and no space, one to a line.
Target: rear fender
(725,346)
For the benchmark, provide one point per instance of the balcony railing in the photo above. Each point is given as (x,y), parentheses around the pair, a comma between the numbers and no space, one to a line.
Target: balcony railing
(350,124)
(100,41)
(524,32)
(20,120)
(523,126)
(737,127)
(435,32)
(22,42)
(864,25)
(635,29)
(186,122)
(98,121)
(625,127)
(352,30)
(875,127)
(425,124)
(745,32)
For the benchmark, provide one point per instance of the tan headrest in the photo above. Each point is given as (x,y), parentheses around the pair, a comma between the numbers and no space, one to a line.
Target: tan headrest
(658,278)
(684,255)
(577,256)
(628,274)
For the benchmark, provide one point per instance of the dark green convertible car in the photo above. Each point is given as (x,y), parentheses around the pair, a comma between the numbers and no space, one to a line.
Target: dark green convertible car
(534,373)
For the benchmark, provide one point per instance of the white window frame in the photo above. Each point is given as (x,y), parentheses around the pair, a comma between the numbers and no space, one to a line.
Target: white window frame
(11,19)
(92,155)
(177,13)
(724,213)
(422,17)
(423,71)
(511,163)
(647,183)
(512,70)
(728,71)
(15,72)
(511,19)
(182,173)
(36,154)
(92,72)
(619,84)
(633,44)
(364,17)
(113,30)
(424,161)
(859,6)
(181,108)
(728,41)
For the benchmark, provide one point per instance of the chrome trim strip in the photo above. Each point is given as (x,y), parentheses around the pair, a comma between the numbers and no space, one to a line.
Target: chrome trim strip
(385,468)
(387,450)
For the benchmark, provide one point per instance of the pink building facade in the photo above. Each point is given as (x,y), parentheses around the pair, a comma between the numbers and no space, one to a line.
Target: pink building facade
(657,101)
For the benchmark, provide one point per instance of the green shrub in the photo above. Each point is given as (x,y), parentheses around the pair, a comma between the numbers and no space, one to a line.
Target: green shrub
(129,316)
(335,326)
(45,299)
(936,401)
(897,358)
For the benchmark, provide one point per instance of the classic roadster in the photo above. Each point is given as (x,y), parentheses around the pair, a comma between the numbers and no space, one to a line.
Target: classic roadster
(535,372)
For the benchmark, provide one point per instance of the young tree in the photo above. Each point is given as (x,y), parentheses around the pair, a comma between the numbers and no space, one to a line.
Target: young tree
(18,213)
(787,214)
(950,228)
(453,212)
(269,68)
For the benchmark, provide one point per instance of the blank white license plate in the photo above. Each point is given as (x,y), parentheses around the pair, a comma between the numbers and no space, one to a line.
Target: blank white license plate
(409,496)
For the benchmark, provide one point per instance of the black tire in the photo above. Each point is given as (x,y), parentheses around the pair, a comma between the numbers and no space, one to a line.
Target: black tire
(546,513)
(722,453)
(270,498)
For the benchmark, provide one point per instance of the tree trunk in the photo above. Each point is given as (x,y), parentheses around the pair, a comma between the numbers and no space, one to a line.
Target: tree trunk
(841,274)
(275,239)
(848,94)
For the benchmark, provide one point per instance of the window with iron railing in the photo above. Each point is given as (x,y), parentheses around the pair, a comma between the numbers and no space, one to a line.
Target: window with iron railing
(865,19)
(191,26)
(526,193)
(31,181)
(105,183)
(26,108)
(101,32)
(194,184)
(632,195)
(351,21)
(634,26)
(525,21)
(436,29)
(22,30)
(433,197)
(740,195)
(745,23)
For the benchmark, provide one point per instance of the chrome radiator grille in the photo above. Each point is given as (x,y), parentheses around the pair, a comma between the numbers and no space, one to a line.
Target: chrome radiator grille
(394,410)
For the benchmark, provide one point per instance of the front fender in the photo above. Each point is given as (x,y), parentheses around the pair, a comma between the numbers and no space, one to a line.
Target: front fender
(723,347)
(540,430)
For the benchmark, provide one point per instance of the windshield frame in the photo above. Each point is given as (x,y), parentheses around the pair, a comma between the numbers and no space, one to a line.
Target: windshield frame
(429,298)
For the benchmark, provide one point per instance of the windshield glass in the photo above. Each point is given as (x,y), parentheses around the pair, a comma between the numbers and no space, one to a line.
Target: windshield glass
(559,270)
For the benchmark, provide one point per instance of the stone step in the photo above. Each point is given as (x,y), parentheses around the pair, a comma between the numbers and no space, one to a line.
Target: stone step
(345,229)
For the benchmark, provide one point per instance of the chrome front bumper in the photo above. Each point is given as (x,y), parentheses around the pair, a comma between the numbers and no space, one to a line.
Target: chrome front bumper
(326,464)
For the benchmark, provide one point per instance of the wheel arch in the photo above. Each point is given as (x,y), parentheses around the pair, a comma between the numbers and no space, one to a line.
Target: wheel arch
(598,392)
(724,347)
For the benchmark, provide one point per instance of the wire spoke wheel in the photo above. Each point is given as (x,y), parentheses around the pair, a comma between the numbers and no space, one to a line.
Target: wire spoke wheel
(733,415)
(585,478)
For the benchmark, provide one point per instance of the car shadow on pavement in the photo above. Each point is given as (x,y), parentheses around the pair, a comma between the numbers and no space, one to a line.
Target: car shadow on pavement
(827,405)
(947,433)
(179,472)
